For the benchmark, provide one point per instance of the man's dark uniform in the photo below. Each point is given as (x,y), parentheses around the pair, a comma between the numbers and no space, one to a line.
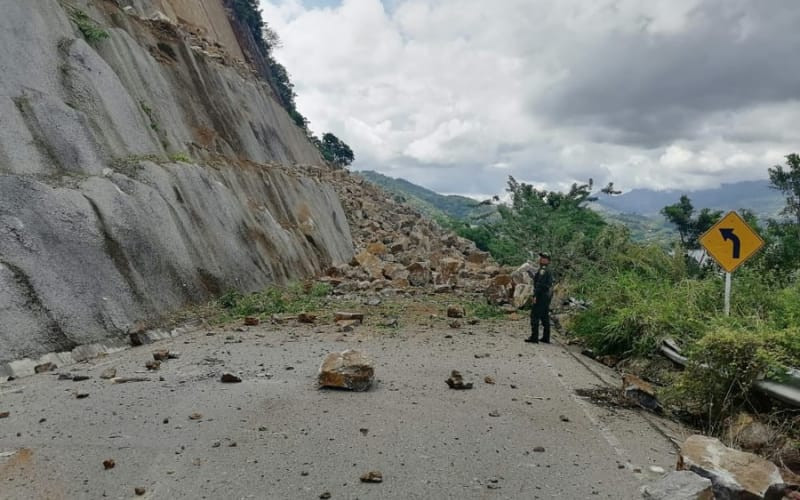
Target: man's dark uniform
(542,283)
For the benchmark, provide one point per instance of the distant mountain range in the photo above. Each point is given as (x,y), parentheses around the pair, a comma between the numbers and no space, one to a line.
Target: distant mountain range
(429,202)
(638,209)
(754,195)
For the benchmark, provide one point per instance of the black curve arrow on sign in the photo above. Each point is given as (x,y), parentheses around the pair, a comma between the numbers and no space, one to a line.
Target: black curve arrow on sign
(727,234)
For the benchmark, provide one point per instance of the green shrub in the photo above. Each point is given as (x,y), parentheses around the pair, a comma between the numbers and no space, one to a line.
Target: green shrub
(483,310)
(180,157)
(90,30)
(724,365)
(273,300)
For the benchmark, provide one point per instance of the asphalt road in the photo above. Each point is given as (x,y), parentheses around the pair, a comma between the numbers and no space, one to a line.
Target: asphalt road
(276,435)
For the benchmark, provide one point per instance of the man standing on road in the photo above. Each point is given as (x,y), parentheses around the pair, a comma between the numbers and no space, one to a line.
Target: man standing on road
(542,285)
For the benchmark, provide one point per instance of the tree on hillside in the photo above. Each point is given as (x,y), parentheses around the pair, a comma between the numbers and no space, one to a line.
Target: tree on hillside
(787,181)
(336,151)
(690,228)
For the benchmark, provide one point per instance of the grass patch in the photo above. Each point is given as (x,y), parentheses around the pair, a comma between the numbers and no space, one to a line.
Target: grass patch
(90,30)
(296,298)
(180,157)
(483,310)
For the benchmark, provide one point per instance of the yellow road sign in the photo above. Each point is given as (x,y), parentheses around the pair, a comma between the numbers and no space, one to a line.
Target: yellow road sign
(731,242)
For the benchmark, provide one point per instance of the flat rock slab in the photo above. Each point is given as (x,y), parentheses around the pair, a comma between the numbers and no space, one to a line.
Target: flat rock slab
(735,474)
(350,370)
(679,485)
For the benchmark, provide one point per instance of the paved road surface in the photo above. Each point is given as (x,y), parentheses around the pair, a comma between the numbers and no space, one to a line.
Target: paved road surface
(275,435)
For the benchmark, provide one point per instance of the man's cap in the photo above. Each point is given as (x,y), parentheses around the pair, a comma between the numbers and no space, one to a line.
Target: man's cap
(545,255)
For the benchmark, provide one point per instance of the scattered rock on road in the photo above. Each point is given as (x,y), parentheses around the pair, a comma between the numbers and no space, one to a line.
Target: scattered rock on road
(372,477)
(230,378)
(4,414)
(195,416)
(455,324)
(153,365)
(350,370)
(679,485)
(251,321)
(489,380)
(307,318)
(455,311)
(325,496)
(641,392)
(456,381)
(109,463)
(735,474)
(139,491)
(539,449)
(108,373)
(161,355)
(44,367)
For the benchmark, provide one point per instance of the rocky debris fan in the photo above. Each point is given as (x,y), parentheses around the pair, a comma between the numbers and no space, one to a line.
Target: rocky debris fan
(350,370)
(734,474)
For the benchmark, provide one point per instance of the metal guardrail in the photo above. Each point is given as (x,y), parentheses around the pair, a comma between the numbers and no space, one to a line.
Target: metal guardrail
(786,390)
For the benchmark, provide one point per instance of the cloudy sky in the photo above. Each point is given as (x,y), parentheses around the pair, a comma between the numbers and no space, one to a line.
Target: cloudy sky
(457,95)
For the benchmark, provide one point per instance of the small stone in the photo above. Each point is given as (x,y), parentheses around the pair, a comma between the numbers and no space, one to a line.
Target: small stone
(456,381)
(195,416)
(80,378)
(44,367)
(641,392)
(153,365)
(348,316)
(539,449)
(306,318)
(325,496)
(139,491)
(455,324)
(494,413)
(4,414)
(216,444)
(251,321)
(489,380)
(108,373)
(230,378)
(81,395)
(304,473)
(563,418)
(656,469)
(455,311)
(364,431)
(161,355)
(372,477)
(109,463)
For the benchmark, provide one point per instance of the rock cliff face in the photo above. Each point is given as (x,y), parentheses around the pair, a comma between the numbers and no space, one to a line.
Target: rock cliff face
(142,172)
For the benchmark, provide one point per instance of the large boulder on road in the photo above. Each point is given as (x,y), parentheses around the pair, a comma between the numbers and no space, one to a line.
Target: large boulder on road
(734,474)
(350,370)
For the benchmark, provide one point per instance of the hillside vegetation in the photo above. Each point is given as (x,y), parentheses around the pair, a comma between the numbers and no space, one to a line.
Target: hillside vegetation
(642,293)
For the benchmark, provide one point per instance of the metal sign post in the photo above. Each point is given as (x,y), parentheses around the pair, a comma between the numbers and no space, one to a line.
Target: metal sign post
(727,294)
(730,242)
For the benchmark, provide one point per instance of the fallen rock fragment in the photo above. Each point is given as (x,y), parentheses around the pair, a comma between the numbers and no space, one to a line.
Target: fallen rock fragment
(153,365)
(325,496)
(456,381)
(455,324)
(489,380)
(80,378)
(125,380)
(455,311)
(494,413)
(350,370)
(229,378)
(679,485)
(749,434)
(139,339)
(306,318)
(734,474)
(372,477)
(81,395)
(109,463)
(251,321)
(539,449)
(348,316)
(108,373)
(161,355)
(139,491)
(4,414)
(195,416)
(641,392)
(44,367)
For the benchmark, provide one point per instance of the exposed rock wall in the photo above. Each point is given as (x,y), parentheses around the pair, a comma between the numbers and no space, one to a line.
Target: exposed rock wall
(105,222)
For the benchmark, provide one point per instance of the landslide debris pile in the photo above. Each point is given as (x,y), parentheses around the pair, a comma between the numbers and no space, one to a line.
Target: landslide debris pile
(397,248)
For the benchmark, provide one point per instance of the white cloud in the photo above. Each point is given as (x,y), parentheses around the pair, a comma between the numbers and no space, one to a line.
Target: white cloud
(457,94)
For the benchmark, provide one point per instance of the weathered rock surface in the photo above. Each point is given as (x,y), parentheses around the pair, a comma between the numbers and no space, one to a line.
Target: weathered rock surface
(734,474)
(679,485)
(103,223)
(350,370)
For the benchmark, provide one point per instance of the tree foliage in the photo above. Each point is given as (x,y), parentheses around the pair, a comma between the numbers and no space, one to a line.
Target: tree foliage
(336,151)
(787,180)
(690,228)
